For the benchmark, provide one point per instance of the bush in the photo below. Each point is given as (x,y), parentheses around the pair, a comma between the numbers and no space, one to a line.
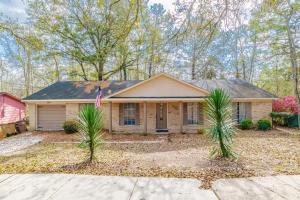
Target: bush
(201,131)
(70,127)
(221,129)
(280,118)
(246,124)
(90,126)
(286,104)
(264,124)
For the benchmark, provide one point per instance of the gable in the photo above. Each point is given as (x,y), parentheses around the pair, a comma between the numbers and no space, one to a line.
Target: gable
(162,86)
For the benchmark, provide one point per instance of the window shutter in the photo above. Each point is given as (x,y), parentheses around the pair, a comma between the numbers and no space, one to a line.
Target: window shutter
(121,115)
(137,114)
(248,110)
(234,112)
(185,115)
(200,114)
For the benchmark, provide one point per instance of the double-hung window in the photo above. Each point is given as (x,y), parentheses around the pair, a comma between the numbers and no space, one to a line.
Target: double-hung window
(129,113)
(193,113)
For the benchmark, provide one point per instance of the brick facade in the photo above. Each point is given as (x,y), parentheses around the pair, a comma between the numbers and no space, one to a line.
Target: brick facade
(173,120)
(72,110)
(259,110)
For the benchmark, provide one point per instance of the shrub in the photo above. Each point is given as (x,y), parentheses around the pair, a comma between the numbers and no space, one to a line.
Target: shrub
(246,124)
(264,124)
(90,126)
(285,104)
(70,126)
(280,118)
(201,131)
(221,129)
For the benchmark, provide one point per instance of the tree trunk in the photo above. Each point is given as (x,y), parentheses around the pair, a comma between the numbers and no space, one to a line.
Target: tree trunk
(100,70)
(276,79)
(193,70)
(27,72)
(83,71)
(124,73)
(253,57)
(57,74)
(194,64)
(244,69)
(150,69)
(237,73)
(91,153)
(137,76)
(293,58)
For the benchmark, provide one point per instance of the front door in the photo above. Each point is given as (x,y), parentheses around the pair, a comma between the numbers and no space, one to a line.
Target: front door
(161,116)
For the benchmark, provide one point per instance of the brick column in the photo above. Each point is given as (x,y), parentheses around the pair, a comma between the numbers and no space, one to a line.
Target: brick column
(145,117)
(110,117)
(181,116)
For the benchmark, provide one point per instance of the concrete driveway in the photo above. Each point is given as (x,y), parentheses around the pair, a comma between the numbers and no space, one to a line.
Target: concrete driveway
(69,186)
(18,142)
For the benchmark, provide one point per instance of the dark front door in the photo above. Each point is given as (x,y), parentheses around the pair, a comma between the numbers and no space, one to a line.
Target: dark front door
(161,116)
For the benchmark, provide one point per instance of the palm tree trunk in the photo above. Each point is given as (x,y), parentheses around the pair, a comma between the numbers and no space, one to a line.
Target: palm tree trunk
(222,146)
(91,153)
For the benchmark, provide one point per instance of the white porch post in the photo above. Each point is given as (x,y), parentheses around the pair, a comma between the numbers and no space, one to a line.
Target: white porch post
(145,117)
(181,116)
(110,117)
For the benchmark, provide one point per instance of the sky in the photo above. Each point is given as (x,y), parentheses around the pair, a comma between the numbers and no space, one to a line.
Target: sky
(168,4)
(13,8)
(16,9)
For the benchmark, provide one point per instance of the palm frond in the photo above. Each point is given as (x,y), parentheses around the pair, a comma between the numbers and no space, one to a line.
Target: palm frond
(221,129)
(90,125)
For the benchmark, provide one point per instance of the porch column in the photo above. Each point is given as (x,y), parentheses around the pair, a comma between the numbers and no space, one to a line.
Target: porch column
(145,117)
(181,116)
(110,117)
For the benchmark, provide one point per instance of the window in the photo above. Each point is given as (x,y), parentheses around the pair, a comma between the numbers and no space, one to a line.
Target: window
(129,112)
(193,113)
(241,111)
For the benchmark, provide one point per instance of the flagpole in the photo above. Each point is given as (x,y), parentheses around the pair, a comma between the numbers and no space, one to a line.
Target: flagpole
(98,97)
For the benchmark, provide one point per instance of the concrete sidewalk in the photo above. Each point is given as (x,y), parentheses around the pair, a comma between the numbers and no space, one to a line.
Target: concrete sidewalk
(70,186)
(258,188)
(64,187)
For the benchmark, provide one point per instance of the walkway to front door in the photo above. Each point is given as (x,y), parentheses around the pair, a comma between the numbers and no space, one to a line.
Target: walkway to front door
(161,117)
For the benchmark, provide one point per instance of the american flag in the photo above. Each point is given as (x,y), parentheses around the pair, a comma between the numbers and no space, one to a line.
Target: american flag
(98,98)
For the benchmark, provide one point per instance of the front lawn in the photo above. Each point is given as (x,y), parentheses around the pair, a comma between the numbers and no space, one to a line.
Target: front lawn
(259,154)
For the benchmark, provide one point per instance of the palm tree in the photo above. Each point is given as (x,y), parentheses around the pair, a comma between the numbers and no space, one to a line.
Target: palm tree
(90,125)
(221,128)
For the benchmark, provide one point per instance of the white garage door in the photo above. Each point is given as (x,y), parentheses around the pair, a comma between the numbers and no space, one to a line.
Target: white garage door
(51,117)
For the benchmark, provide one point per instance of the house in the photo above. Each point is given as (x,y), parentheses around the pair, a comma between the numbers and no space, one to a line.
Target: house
(161,103)
(11,111)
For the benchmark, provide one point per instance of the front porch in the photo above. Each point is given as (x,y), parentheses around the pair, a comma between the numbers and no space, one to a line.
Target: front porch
(155,117)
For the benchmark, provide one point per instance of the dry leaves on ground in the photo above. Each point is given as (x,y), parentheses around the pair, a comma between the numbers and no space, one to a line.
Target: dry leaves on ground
(184,156)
